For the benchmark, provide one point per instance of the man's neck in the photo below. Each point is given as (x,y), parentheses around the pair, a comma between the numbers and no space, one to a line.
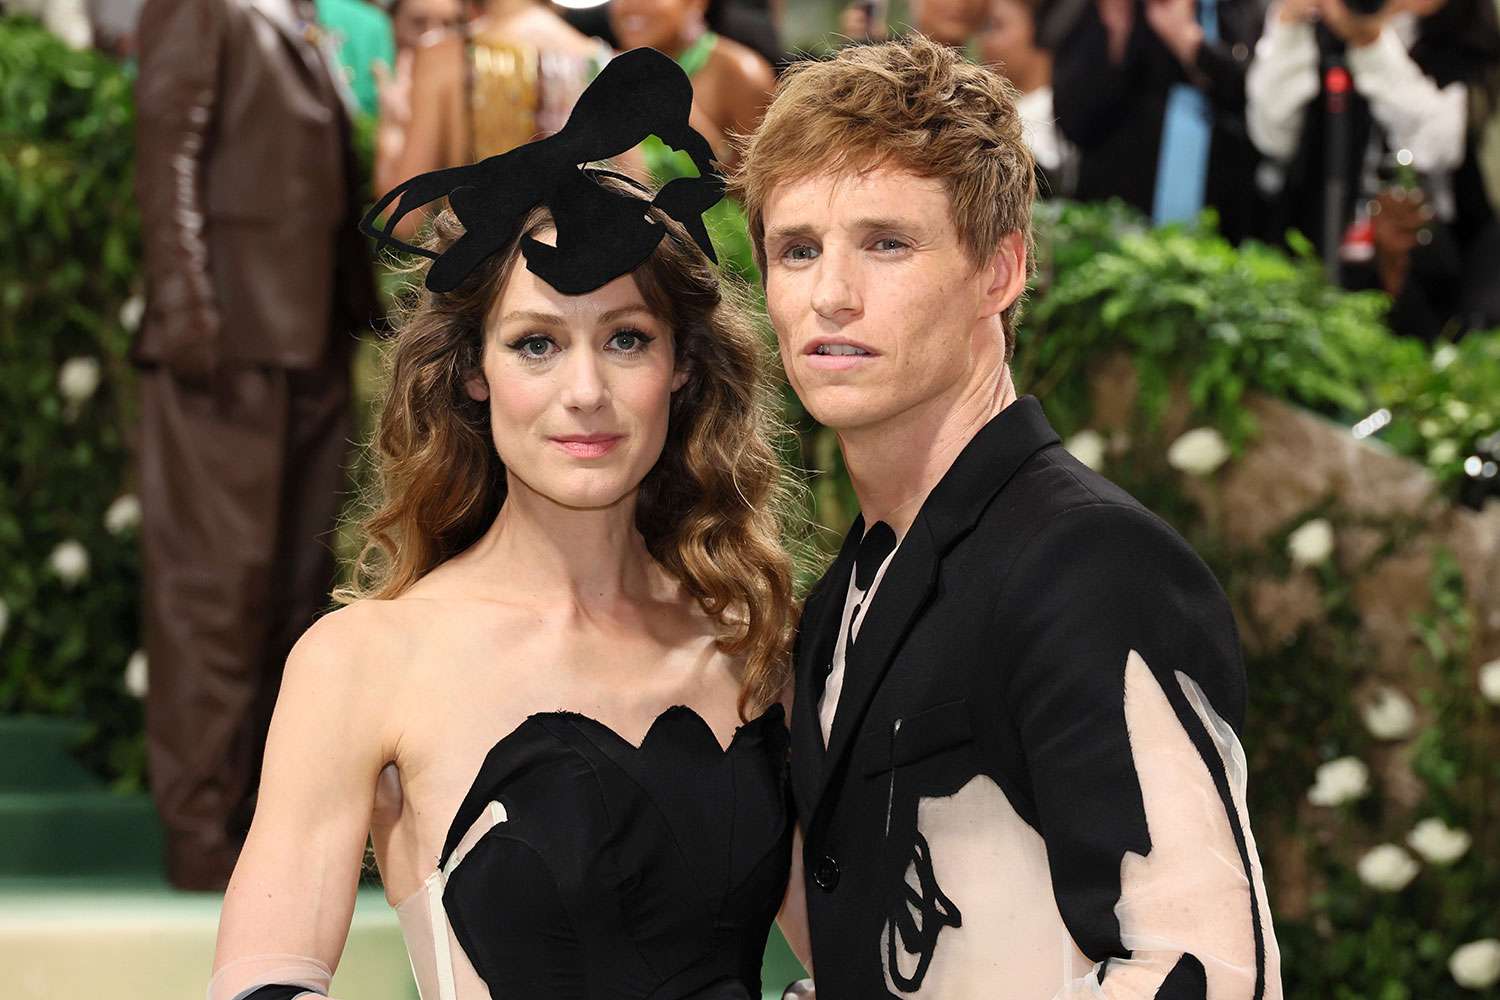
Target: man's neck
(895,465)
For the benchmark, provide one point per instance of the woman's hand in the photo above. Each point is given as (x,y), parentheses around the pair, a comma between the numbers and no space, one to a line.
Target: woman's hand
(1357,30)
(1176,24)
(1299,11)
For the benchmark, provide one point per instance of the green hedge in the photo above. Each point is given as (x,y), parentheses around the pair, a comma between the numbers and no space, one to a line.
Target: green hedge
(68,278)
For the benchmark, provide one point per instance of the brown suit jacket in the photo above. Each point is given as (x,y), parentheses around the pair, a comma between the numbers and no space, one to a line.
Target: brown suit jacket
(247,186)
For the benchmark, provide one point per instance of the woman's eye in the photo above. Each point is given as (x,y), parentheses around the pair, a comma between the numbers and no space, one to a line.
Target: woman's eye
(630,341)
(533,347)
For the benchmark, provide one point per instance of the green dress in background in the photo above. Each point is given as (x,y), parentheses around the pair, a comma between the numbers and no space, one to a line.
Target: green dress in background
(362,36)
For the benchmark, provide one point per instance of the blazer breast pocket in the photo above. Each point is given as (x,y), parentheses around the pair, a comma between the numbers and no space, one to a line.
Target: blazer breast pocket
(914,738)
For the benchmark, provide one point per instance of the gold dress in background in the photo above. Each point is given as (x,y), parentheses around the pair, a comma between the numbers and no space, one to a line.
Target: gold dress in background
(518,92)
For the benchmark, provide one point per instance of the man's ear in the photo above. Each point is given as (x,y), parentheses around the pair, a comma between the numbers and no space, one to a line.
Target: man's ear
(477,387)
(1005,275)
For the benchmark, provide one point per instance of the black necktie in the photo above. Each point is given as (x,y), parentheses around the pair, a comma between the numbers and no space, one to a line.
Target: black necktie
(877,544)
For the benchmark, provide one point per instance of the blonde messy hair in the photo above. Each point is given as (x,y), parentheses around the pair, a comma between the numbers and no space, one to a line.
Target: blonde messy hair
(911,104)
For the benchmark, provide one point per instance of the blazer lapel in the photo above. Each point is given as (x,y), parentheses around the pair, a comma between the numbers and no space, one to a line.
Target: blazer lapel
(903,592)
(817,635)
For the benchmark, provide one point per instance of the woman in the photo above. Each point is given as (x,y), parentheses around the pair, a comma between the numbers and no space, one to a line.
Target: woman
(572,599)
(507,78)
(731,83)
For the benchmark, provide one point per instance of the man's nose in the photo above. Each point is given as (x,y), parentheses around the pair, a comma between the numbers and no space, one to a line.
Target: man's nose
(834,295)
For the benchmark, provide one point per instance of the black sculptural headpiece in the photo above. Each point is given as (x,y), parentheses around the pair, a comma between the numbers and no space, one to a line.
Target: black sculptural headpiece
(601,234)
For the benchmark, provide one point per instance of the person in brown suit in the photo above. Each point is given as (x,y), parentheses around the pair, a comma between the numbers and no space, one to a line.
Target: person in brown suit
(257,280)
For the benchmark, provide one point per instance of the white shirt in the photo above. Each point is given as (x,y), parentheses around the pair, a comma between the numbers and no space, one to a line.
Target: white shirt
(829,703)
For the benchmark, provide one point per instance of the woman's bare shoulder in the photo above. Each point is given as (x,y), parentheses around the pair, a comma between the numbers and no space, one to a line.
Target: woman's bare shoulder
(743,65)
(438,59)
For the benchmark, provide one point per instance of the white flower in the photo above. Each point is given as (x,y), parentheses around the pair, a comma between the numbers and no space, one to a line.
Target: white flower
(78,378)
(123,515)
(135,673)
(1339,781)
(70,561)
(1198,452)
(1387,868)
(1457,410)
(1489,682)
(1443,452)
(1443,357)
(131,312)
(4,616)
(1391,716)
(1476,965)
(1311,544)
(1438,842)
(1087,447)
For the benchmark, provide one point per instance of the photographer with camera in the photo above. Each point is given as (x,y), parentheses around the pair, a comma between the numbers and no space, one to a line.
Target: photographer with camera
(1363,111)
(1152,92)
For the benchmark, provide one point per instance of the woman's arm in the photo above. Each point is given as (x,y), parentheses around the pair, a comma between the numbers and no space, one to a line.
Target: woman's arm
(292,893)
(436,127)
(1415,113)
(1281,81)
(793,916)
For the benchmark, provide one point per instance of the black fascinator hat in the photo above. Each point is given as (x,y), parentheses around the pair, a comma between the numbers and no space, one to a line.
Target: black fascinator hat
(601,234)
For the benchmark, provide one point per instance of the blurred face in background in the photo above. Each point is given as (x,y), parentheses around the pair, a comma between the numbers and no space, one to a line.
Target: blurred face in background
(1009,39)
(666,25)
(952,22)
(412,19)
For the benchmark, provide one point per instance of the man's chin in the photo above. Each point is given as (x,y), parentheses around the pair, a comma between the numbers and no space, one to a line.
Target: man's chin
(848,410)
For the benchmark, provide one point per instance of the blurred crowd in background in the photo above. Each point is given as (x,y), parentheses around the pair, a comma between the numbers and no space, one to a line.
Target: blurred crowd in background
(1368,126)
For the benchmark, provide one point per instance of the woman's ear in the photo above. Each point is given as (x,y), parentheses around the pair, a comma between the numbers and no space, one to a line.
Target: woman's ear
(477,387)
(680,377)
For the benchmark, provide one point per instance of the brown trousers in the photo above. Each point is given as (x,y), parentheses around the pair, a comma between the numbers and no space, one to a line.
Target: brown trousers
(240,490)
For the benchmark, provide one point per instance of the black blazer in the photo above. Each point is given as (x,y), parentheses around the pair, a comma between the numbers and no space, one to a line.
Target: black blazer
(996,645)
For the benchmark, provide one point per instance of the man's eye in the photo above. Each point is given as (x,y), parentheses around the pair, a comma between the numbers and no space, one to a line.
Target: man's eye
(890,243)
(800,251)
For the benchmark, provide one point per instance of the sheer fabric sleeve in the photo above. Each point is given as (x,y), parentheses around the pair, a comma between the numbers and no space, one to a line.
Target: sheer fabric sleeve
(1128,692)
(270,977)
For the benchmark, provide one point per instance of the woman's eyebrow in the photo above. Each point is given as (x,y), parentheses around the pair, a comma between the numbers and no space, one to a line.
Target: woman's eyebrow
(553,319)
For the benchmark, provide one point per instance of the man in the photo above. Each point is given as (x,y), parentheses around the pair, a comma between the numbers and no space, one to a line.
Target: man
(255,278)
(1018,693)
(1152,92)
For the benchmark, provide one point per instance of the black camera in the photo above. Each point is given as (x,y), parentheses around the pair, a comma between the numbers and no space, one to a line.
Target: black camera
(1365,8)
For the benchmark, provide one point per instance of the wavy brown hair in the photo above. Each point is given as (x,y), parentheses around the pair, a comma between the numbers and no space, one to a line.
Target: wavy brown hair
(713,508)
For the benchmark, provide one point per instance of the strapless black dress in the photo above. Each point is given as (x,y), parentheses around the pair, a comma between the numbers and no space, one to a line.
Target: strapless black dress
(620,871)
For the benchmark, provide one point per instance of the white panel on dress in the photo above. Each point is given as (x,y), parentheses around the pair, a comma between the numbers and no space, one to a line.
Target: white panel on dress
(1012,944)
(1191,894)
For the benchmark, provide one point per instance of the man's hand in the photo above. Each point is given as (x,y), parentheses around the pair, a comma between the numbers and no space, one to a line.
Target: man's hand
(1118,17)
(1357,30)
(1176,24)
